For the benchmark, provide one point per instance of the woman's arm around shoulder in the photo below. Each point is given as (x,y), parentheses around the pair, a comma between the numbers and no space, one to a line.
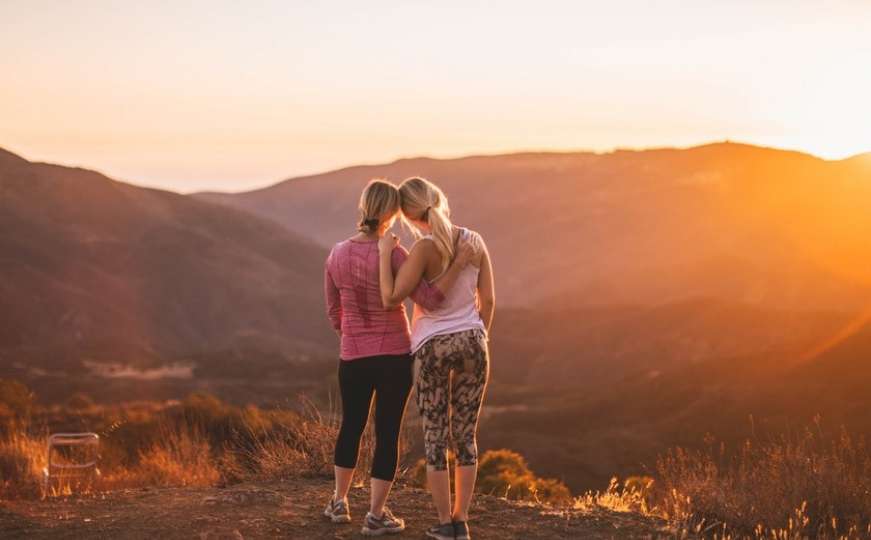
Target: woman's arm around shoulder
(410,271)
(394,291)
(424,294)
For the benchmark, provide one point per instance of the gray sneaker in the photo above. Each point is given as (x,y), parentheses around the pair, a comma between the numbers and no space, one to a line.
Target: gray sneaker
(386,524)
(338,511)
(461,530)
(442,532)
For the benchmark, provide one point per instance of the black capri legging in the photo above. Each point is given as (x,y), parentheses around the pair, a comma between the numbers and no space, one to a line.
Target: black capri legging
(389,378)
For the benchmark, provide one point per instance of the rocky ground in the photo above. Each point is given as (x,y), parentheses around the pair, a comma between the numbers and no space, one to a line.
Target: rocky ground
(290,509)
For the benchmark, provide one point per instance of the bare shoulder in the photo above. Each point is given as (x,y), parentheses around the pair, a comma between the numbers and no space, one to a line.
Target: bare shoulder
(475,239)
(424,246)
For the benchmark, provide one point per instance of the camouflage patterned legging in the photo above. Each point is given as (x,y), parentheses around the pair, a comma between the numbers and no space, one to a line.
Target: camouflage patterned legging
(452,368)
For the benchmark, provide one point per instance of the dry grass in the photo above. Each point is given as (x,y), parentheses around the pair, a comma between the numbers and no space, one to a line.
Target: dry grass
(803,486)
(299,444)
(182,457)
(633,495)
(807,485)
(22,459)
(199,442)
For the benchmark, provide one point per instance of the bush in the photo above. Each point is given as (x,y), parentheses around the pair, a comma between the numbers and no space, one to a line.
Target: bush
(506,473)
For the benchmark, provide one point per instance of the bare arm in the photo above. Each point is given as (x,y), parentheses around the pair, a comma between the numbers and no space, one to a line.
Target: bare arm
(394,291)
(409,279)
(425,294)
(486,289)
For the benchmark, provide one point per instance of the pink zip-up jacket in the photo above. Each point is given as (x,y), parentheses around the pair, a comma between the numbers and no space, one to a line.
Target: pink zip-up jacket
(353,296)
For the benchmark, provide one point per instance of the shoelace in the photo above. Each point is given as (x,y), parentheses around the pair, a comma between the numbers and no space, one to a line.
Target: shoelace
(387,515)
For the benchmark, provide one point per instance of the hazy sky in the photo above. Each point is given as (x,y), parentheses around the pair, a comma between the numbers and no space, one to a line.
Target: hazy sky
(233,95)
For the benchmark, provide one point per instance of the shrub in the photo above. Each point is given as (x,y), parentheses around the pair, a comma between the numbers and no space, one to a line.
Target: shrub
(506,473)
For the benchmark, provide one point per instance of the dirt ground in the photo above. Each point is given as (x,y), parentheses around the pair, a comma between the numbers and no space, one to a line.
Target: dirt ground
(289,509)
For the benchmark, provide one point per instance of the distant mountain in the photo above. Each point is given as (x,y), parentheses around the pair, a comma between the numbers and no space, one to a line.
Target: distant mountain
(92,269)
(645,298)
(725,220)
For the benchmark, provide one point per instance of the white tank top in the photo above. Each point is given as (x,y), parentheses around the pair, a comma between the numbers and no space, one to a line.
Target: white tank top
(457,313)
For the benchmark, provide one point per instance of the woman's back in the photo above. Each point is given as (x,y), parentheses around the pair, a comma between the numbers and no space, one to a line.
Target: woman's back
(458,312)
(354,302)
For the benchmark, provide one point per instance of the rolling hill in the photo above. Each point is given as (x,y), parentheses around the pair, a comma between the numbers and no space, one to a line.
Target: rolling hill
(647,297)
(729,221)
(95,270)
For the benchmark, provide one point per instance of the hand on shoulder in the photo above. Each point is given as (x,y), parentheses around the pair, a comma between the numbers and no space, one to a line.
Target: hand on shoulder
(471,248)
(467,252)
(387,242)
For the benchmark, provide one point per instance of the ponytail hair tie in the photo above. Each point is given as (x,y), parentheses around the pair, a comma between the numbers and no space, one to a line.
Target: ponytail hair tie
(426,213)
(371,223)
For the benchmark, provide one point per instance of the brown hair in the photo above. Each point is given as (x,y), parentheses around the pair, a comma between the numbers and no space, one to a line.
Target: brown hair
(380,199)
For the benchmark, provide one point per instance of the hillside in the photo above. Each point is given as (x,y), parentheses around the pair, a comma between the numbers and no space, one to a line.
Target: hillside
(727,220)
(291,509)
(132,293)
(96,273)
(624,424)
(590,346)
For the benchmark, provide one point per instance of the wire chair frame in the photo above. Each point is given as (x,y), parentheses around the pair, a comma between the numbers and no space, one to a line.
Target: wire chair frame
(57,440)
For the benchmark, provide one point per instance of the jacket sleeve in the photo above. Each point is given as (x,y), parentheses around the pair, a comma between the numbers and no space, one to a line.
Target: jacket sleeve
(427,296)
(331,294)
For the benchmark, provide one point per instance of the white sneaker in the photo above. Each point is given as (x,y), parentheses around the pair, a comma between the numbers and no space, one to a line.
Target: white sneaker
(386,524)
(338,511)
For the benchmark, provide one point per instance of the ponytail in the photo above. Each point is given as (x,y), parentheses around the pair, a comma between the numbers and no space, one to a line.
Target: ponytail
(421,197)
(442,234)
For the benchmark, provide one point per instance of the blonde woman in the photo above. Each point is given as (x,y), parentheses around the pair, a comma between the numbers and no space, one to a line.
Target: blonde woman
(449,344)
(374,358)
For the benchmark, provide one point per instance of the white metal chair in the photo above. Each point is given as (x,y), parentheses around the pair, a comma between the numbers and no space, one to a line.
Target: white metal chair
(55,470)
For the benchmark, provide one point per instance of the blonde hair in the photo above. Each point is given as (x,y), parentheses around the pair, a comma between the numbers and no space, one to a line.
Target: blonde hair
(380,198)
(420,197)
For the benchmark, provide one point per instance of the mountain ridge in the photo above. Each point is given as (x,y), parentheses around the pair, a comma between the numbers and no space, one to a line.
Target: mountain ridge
(527,153)
(115,272)
(650,222)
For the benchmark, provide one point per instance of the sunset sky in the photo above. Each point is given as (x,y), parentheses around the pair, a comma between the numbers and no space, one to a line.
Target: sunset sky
(234,95)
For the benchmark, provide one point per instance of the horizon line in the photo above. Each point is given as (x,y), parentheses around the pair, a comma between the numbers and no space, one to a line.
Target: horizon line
(433,157)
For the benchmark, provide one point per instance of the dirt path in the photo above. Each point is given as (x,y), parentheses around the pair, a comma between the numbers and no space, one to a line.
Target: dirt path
(287,510)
